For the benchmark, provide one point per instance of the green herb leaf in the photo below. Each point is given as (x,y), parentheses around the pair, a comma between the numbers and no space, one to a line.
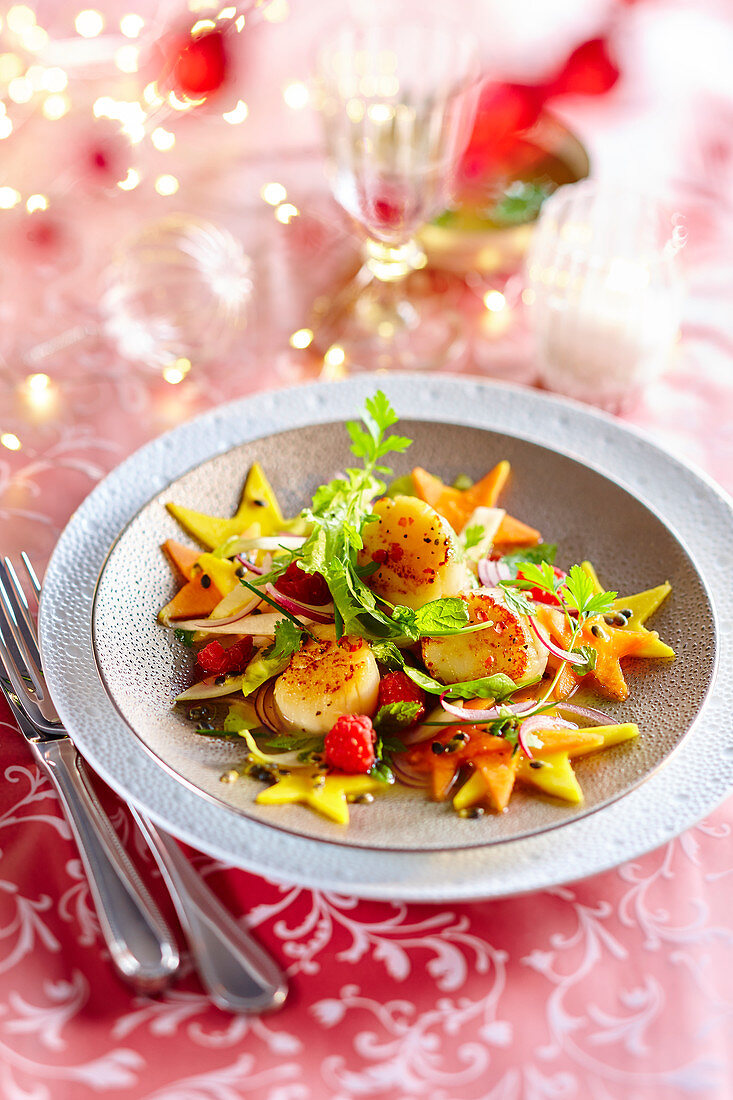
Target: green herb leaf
(289,637)
(579,594)
(514,600)
(395,716)
(588,657)
(388,655)
(497,686)
(184,636)
(238,718)
(543,552)
(285,742)
(463,482)
(381,771)
(401,487)
(472,535)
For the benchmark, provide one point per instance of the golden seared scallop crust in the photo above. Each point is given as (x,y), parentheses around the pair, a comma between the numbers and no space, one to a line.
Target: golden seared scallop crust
(326,679)
(417,552)
(509,645)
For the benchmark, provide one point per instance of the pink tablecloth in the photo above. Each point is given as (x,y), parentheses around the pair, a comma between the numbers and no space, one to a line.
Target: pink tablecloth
(617,988)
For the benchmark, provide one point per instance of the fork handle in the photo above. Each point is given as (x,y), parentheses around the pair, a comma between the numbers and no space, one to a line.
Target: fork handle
(141,946)
(236,972)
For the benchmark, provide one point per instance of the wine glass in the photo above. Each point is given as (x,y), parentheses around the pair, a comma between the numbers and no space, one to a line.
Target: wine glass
(178,291)
(398,102)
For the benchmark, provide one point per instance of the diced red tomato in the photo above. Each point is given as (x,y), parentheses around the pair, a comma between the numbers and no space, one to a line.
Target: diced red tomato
(538,595)
(215,660)
(305,587)
(397,687)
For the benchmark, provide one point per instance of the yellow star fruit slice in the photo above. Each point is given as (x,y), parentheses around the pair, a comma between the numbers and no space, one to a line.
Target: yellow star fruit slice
(258,505)
(328,797)
(642,604)
(555,776)
(222,572)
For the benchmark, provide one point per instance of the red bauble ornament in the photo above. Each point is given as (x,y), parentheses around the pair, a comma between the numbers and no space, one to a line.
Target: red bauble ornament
(201,65)
(590,70)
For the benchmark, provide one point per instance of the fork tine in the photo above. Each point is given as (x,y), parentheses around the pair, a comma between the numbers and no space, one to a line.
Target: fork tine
(24,608)
(13,678)
(18,628)
(32,575)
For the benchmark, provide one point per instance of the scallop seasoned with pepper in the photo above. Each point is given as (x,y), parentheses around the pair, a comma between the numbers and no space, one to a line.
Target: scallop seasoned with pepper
(326,679)
(507,644)
(416,551)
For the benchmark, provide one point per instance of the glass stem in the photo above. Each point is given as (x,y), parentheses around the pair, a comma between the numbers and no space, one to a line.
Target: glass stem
(391,263)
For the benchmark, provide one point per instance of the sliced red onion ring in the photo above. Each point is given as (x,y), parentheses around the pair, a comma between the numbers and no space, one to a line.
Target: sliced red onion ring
(468,714)
(204,624)
(317,614)
(408,775)
(591,715)
(250,565)
(539,722)
(491,572)
(555,650)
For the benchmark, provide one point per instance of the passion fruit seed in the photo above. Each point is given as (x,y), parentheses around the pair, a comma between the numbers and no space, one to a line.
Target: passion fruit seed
(471,811)
(230,776)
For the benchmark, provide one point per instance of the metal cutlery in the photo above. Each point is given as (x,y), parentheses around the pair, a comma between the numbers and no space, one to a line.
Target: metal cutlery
(236,972)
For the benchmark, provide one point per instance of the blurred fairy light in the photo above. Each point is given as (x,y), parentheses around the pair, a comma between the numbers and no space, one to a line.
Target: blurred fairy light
(89,23)
(130,181)
(11,441)
(202,5)
(277,11)
(131,25)
(494,301)
(9,197)
(54,80)
(237,114)
(335,356)
(55,107)
(166,185)
(10,67)
(162,139)
(126,59)
(177,371)
(202,26)
(37,382)
(34,39)
(39,392)
(36,202)
(239,22)
(303,338)
(6,127)
(296,95)
(151,95)
(20,18)
(20,89)
(286,212)
(227,13)
(273,193)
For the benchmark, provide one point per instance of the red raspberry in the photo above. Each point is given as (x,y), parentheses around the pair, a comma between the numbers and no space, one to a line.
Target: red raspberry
(305,587)
(397,687)
(349,746)
(214,660)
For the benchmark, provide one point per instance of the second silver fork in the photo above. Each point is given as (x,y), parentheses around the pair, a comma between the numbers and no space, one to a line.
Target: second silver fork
(236,972)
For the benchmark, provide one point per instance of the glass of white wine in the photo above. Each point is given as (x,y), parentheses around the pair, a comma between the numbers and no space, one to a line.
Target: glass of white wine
(398,103)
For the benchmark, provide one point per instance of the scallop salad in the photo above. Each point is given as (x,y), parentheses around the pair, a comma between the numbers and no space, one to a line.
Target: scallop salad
(398,631)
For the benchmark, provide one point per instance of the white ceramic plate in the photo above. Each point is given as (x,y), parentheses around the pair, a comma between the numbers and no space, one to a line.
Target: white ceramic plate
(648,514)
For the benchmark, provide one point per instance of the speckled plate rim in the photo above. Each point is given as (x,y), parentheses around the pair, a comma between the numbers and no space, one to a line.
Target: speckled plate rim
(657,810)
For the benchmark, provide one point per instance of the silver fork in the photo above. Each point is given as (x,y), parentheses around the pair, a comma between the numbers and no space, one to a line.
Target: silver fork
(236,972)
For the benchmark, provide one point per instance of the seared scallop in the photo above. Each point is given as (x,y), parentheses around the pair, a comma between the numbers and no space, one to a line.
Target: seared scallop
(508,645)
(326,679)
(417,551)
